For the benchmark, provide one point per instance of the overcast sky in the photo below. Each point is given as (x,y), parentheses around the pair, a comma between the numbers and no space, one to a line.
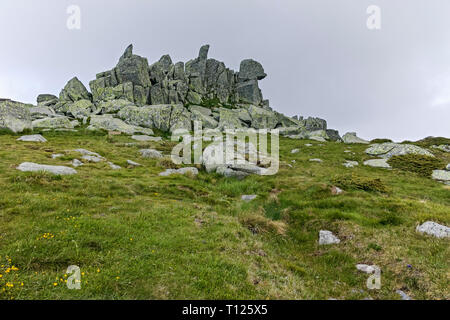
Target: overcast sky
(320,57)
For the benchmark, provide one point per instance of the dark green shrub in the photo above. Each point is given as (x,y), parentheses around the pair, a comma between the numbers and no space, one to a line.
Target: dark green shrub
(420,164)
(380,140)
(360,183)
(431,141)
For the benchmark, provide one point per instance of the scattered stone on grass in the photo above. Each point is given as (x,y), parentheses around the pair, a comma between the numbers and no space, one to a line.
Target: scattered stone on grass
(249,197)
(327,237)
(190,170)
(377,163)
(34,167)
(434,229)
(32,138)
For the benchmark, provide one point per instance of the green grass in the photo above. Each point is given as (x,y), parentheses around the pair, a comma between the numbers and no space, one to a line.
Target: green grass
(136,235)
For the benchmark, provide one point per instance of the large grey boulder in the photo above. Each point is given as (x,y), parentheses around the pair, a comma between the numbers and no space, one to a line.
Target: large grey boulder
(216,159)
(107,122)
(200,109)
(81,108)
(34,167)
(262,118)
(229,119)
(249,92)
(313,124)
(53,123)
(15,116)
(251,70)
(73,91)
(434,229)
(351,137)
(113,106)
(180,119)
(133,68)
(42,112)
(389,149)
(333,135)
(46,100)
(318,135)
(377,163)
(158,116)
(32,138)
(207,121)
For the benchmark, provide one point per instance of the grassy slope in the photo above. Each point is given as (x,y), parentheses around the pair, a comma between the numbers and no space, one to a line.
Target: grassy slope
(136,235)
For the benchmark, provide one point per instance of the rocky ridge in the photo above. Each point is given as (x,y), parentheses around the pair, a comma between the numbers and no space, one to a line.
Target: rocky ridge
(135,97)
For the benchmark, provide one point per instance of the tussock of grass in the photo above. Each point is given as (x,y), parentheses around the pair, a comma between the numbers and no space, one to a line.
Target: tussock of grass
(420,164)
(36,178)
(361,183)
(257,224)
(167,163)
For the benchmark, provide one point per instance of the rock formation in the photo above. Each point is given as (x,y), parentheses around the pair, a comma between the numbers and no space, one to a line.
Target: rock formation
(135,96)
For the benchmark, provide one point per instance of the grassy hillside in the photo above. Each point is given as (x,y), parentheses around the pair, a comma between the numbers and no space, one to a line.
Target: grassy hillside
(136,235)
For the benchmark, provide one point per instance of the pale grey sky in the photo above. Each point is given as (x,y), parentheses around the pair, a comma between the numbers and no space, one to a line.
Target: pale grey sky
(320,58)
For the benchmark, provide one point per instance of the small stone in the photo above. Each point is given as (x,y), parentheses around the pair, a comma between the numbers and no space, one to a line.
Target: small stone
(151,153)
(34,167)
(365,268)
(434,229)
(403,295)
(133,164)
(327,237)
(76,163)
(145,138)
(308,145)
(55,156)
(295,151)
(114,166)
(248,197)
(377,163)
(336,190)
(85,152)
(448,167)
(92,158)
(441,175)
(32,138)
(168,172)
(350,164)
(315,160)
